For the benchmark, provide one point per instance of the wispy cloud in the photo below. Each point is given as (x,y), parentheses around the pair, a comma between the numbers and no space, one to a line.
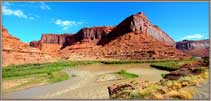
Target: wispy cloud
(193,37)
(44,6)
(67,23)
(18,13)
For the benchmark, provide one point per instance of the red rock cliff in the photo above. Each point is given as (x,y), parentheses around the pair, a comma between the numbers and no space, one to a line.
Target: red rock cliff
(135,38)
(16,52)
(138,24)
(92,34)
(195,48)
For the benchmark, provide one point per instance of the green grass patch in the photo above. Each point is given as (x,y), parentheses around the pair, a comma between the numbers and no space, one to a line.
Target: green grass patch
(143,61)
(57,76)
(31,69)
(121,62)
(127,75)
(170,65)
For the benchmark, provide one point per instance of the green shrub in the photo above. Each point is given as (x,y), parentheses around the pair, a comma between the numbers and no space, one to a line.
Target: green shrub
(163,75)
(170,65)
(57,76)
(126,74)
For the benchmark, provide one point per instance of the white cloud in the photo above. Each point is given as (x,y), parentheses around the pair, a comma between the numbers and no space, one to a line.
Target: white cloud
(67,23)
(18,13)
(193,37)
(44,6)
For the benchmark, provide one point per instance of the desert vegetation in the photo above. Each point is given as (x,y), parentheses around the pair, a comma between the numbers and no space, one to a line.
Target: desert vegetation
(126,74)
(172,89)
(178,84)
(170,65)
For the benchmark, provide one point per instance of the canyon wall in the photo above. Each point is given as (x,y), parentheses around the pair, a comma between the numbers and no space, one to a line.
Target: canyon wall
(135,38)
(16,52)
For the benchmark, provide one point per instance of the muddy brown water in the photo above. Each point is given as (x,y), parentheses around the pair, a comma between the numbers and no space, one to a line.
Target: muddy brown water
(82,82)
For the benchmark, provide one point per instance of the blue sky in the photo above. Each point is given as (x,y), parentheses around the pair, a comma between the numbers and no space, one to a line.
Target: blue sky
(29,20)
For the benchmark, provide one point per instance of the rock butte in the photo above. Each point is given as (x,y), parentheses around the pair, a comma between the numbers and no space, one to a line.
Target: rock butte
(135,38)
(195,48)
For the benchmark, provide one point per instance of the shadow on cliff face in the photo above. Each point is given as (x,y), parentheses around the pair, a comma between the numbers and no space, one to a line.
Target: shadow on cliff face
(88,35)
(121,29)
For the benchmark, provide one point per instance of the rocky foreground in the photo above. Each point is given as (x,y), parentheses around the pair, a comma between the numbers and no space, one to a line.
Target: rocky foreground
(135,38)
(178,84)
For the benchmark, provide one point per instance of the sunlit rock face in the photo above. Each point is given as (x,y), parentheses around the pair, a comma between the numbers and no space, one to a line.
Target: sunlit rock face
(138,24)
(16,52)
(135,38)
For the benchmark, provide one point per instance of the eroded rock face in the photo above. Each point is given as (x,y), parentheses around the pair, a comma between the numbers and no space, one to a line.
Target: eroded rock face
(54,38)
(136,38)
(16,52)
(134,46)
(50,39)
(92,34)
(138,24)
(195,48)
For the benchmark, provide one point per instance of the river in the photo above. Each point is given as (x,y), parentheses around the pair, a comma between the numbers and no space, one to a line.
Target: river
(83,85)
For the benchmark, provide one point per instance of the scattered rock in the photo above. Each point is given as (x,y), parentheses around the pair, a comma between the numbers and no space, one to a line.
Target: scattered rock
(187,69)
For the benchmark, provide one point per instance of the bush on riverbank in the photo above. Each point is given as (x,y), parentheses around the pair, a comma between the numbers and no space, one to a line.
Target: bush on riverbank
(169,65)
(127,75)
(182,88)
(31,69)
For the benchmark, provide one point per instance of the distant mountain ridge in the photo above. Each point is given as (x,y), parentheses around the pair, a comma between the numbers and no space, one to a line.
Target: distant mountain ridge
(195,48)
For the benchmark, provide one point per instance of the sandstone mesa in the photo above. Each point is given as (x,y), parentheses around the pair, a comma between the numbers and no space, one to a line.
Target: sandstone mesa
(135,38)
